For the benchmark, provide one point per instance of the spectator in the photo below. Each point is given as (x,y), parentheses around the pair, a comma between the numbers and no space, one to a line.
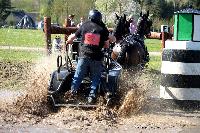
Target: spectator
(133,24)
(71,19)
(82,21)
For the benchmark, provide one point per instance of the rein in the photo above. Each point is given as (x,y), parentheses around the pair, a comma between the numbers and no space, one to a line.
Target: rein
(132,36)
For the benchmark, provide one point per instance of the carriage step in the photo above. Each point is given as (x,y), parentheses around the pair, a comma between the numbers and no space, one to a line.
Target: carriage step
(78,105)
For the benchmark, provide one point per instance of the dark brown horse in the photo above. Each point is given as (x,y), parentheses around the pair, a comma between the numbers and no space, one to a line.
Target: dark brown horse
(130,49)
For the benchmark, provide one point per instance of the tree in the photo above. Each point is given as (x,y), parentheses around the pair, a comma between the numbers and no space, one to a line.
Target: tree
(47,8)
(58,10)
(194,3)
(148,4)
(27,5)
(109,7)
(5,8)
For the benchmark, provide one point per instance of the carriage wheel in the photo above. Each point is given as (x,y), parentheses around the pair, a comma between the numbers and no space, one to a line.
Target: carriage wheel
(50,104)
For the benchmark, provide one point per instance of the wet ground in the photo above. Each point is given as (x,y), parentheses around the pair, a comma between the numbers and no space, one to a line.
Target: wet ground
(156,116)
(133,124)
(140,110)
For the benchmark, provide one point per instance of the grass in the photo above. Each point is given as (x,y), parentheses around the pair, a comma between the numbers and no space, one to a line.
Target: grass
(155,63)
(153,45)
(22,37)
(36,38)
(16,55)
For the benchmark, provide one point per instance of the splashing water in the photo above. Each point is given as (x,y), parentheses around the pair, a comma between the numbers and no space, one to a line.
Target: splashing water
(133,88)
(29,105)
(32,103)
(32,99)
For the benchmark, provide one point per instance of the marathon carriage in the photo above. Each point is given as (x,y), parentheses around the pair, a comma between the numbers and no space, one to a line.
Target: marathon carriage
(60,82)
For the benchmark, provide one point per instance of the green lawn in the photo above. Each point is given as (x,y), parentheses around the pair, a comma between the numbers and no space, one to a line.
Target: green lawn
(155,63)
(153,45)
(16,55)
(22,37)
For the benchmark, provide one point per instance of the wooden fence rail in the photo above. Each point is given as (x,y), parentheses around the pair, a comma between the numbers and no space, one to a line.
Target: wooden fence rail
(49,29)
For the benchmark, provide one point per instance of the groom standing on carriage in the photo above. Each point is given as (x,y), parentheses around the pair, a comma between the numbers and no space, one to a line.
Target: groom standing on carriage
(94,36)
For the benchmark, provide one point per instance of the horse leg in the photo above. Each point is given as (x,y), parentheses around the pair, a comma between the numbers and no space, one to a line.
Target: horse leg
(135,56)
(146,54)
(143,55)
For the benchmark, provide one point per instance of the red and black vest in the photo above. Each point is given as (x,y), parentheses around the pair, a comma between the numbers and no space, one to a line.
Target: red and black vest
(92,36)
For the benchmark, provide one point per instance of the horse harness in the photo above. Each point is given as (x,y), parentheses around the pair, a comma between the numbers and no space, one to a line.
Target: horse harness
(132,40)
(135,39)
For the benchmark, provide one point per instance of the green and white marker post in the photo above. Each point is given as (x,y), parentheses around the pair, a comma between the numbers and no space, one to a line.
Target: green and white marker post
(180,70)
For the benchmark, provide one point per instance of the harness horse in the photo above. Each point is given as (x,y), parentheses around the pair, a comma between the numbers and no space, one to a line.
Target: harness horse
(130,49)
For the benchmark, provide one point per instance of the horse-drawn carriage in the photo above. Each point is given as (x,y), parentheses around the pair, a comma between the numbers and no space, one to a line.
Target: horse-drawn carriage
(129,50)
(61,79)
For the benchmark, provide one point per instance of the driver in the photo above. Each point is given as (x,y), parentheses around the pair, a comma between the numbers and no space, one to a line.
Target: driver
(94,36)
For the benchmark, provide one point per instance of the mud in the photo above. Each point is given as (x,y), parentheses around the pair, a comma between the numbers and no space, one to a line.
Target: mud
(13,74)
(139,109)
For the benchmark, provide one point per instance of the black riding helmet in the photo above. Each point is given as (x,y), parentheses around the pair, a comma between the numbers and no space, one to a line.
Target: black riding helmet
(95,15)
